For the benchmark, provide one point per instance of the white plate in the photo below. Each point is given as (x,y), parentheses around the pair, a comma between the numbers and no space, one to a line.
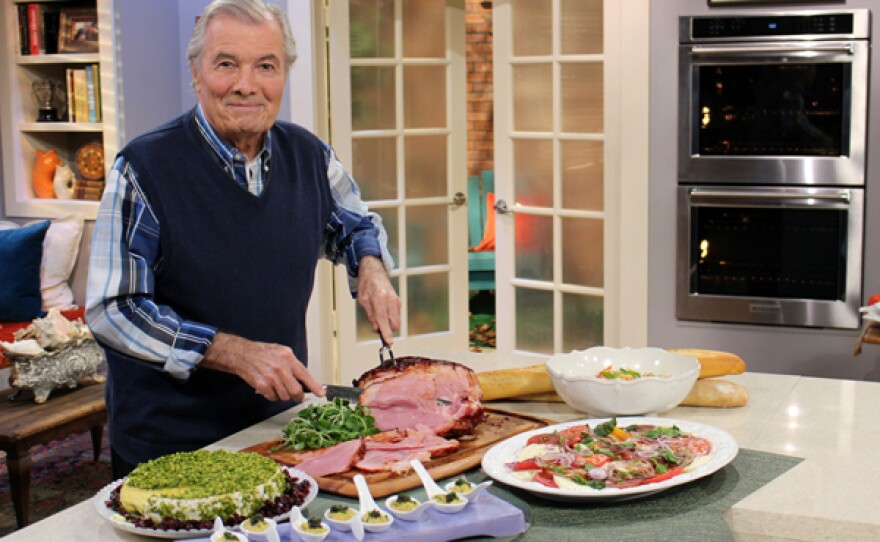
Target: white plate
(724,449)
(105,512)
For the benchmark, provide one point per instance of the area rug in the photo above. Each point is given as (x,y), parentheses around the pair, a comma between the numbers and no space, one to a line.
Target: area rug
(63,474)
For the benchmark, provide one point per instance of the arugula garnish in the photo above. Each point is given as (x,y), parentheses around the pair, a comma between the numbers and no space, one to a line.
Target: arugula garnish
(320,426)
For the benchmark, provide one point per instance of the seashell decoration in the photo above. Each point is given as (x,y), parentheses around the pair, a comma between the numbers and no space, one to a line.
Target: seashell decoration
(63,182)
(51,353)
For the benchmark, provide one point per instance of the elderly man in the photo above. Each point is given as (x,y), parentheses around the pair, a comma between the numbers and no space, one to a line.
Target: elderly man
(205,247)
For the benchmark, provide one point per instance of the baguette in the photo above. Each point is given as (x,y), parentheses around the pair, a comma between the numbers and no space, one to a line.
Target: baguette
(713,362)
(505,383)
(713,392)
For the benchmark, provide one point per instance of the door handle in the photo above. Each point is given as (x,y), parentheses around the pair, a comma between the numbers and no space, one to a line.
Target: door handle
(501,207)
(458,199)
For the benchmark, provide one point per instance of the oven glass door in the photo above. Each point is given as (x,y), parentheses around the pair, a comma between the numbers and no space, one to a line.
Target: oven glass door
(782,109)
(763,255)
(780,113)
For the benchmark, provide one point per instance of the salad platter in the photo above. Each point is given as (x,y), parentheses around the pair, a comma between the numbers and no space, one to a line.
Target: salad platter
(503,462)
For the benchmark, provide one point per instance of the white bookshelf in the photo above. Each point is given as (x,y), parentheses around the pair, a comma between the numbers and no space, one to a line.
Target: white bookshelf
(22,136)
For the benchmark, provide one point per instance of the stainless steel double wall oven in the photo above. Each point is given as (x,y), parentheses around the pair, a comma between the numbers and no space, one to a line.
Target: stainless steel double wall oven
(771,167)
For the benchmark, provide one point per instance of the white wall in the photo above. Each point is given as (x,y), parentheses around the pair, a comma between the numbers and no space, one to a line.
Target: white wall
(814,352)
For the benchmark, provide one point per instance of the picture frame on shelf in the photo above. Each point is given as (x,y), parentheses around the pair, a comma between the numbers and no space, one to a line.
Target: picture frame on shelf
(78,30)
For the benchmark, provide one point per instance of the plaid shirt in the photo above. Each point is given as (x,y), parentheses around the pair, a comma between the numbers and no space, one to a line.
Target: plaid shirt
(120,306)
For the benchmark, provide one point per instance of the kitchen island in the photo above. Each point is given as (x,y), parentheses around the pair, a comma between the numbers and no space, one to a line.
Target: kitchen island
(831,495)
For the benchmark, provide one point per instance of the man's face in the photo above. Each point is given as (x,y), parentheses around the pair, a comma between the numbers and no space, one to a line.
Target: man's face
(240,78)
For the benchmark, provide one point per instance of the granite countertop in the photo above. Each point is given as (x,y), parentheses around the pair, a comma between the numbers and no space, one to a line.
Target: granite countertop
(828,496)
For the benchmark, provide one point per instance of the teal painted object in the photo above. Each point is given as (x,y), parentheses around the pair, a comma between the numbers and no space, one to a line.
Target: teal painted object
(481,265)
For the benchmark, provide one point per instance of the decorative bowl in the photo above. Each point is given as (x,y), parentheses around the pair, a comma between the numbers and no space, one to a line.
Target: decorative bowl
(664,380)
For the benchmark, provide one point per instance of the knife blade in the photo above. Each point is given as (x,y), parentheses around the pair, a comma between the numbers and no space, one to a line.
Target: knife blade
(350,393)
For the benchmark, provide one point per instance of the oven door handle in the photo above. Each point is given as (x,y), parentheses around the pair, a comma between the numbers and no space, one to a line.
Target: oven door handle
(696,193)
(821,50)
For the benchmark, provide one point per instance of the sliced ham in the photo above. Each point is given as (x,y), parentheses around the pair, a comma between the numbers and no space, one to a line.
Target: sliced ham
(442,395)
(393,450)
(332,460)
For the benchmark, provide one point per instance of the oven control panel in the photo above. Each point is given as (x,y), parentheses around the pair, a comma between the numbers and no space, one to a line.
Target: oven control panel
(773,25)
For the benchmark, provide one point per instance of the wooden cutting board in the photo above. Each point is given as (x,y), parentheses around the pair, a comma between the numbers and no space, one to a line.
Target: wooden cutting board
(497,426)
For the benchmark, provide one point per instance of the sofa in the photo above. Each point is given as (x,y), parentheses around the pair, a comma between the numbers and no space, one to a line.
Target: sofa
(43,265)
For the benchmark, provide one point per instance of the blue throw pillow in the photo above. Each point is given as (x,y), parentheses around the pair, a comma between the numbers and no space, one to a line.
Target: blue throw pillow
(21,251)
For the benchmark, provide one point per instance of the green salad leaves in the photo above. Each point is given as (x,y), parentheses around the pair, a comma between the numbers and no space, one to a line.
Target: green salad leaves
(320,426)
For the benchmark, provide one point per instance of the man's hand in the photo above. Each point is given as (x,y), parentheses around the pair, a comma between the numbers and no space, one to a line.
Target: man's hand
(271,369)
(378,298)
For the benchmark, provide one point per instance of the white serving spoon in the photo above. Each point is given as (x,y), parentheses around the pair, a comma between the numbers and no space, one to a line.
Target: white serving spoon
(367,504)
(219,529)
(475,491)
(297,519)
(408,515)
(432,489)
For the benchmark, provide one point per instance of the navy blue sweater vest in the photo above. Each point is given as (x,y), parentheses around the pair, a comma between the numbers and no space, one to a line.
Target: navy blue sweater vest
(240,262)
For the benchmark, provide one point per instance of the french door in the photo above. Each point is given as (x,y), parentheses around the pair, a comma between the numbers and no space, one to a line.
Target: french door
(397,102)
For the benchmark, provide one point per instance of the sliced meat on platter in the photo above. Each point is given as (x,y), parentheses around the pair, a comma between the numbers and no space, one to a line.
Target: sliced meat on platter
(390,451)
(393,450)
(442,395)
(338,458)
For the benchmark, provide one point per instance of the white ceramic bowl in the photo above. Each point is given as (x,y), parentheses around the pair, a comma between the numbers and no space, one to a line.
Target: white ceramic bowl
(574,377)
(473,493)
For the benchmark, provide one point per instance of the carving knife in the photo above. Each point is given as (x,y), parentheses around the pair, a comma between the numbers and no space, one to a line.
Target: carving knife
(350,393)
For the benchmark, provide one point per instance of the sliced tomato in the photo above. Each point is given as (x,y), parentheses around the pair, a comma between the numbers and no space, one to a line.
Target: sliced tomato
(545,478)
(526,464)
(660,477)
(597,460)
(544,438)
(573,434)
(698,445)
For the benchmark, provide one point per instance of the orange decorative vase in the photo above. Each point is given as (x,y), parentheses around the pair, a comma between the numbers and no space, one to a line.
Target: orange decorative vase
(44,173)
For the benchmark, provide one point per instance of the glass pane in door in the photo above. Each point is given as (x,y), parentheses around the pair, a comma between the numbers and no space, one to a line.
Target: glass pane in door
(425,165)
(372,98)
(583,248)
(534,246)
(582,322)
(428,303)
(533,172)
(583,175)
(426,235)
(371,28)
(581,108)
(534,324)
(374,165)
(424,28)
(424,96)
(532,27)
(533,97)
(581,27)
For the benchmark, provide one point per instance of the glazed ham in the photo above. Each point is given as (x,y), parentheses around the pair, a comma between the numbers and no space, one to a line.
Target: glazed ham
(338,458)
(442,396)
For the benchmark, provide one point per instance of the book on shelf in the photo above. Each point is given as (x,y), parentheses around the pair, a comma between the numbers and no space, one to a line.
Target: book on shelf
(71,96)
(88,190)
(23,33)
(38,28)
(80,95)
(93,93)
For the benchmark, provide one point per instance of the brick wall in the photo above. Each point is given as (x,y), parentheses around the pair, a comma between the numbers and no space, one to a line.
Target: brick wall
(479,86)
